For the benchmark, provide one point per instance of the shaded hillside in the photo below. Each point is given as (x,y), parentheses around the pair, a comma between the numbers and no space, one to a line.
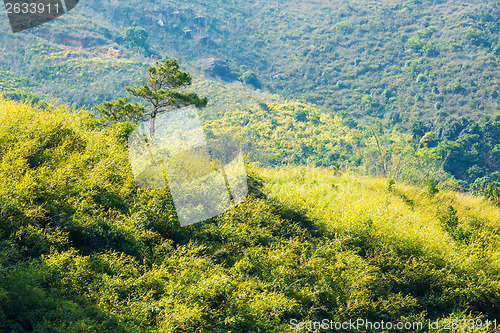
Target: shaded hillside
(83,249)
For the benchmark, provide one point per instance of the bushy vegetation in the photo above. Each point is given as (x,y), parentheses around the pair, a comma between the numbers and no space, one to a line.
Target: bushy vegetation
(421,69)
(83,249)
(470,149)
(397,60)
(278,132)
(320,94)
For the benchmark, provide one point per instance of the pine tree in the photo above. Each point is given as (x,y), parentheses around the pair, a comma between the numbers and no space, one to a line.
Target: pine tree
(160,90)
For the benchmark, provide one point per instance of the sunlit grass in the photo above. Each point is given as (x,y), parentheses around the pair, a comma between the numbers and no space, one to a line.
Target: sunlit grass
(79,237)
(406,217)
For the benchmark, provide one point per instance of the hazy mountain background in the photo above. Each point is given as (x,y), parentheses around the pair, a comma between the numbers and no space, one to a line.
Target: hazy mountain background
(417,74)
(391,59)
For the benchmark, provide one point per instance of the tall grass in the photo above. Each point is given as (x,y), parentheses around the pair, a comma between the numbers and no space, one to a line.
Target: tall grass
(405,217)
(83,249)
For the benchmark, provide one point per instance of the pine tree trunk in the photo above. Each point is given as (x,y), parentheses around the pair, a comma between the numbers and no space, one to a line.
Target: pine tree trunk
(152,126)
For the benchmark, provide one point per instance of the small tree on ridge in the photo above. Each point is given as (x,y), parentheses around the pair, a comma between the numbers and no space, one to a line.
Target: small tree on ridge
(160,90)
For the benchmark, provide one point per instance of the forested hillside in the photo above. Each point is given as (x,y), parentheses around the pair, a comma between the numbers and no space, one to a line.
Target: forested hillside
(413,82)
(371,132)
(83,249)
(395,60)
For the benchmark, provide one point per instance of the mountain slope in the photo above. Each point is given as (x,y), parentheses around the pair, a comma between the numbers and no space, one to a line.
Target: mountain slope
(83,249)
(396,60)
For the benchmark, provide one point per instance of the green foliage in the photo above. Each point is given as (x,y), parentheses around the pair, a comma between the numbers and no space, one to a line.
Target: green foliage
(470,148)
(22,96)
(160,89)
(415,44)
(427,32)
(390,184)
(136,36)
(357,62)
(281,133)
(83,249)
(450,223)
(120,110)
(250,78)
(278,133)
(323,53)
(491,191)
(449,220)
(431,187)
(477,37)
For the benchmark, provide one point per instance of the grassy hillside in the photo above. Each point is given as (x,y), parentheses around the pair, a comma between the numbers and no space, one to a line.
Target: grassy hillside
(275,132)
(461,153)
(404,89)
(395,60)
(84,250)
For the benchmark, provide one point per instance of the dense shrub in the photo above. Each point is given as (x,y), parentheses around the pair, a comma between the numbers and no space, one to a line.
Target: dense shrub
(82,249)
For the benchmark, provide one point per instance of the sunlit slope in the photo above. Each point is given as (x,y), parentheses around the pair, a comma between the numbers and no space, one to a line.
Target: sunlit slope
(82,249)
(405,217)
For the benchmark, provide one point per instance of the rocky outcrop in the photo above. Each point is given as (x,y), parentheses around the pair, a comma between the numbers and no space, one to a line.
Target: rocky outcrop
(215,67)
